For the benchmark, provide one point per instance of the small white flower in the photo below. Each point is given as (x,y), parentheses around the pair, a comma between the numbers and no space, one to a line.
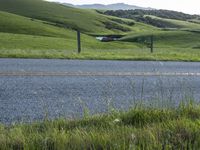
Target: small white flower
(133,137)
(117,121)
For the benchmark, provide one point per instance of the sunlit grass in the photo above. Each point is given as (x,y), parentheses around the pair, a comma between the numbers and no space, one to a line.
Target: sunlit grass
(139,128)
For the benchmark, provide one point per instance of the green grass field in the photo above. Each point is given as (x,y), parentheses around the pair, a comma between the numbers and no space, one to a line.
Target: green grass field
(29,46)
(140,128)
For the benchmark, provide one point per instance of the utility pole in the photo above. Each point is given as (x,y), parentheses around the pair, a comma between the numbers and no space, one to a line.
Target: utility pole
(79,41)
(151,46)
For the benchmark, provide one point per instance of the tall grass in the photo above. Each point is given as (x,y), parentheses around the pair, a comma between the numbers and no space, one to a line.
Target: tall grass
(139,128)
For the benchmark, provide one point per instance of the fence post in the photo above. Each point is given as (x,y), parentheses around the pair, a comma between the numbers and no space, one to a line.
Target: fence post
(152,44)
(79,41)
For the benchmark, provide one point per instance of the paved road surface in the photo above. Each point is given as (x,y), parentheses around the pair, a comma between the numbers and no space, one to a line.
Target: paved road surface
(29,88)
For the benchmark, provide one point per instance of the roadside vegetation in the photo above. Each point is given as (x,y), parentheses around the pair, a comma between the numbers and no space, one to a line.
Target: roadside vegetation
(139,128)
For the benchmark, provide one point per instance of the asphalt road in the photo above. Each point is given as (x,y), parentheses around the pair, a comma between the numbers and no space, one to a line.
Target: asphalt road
(31,89)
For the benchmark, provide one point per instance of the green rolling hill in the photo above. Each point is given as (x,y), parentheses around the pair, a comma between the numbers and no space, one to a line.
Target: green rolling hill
(185,35)
(41,18)
(41,29)
(27,37)
(88,21)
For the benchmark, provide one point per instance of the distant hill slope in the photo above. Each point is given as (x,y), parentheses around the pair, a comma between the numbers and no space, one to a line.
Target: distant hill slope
(168,14)
(117,6)
(142,16)
(190,25)
(88,21)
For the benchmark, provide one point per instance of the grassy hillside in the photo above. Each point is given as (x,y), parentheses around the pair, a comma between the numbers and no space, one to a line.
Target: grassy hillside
(167,14)
(176,38)
(26,37)
(158,18)
(88,21)
(11,23)
(40,29)
(178,23)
